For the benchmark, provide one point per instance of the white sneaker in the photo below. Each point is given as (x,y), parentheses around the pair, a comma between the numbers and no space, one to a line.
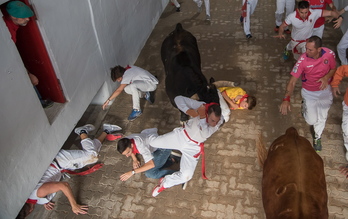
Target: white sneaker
(347,155)
(111,128)
(159,188)
(87,128)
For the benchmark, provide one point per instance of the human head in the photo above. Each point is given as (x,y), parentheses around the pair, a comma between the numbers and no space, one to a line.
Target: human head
(117,73)
(124,146)
(248,103)
(313,47)
(303,9)
(25,211)
(19,12)
(214,115)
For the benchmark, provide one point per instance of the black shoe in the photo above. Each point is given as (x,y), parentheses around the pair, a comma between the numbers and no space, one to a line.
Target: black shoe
(248,36)
(241,19)
(150,96)
(47,103)
(177,9)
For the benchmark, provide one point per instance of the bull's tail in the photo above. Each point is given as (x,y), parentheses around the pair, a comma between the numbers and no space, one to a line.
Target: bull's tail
(261,150)
(178,27)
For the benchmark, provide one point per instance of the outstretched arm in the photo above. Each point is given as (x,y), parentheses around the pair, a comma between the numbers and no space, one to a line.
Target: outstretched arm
(52,187)
(285,106)
(114,95)
(145,167)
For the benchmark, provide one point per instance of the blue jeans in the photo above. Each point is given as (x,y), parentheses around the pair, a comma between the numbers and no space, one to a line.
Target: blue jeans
(160,159)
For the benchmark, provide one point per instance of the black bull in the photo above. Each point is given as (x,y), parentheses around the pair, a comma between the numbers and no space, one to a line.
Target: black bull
(182,64)
(293,183)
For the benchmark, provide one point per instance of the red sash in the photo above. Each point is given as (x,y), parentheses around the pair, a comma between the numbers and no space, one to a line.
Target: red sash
(201,145)
(90,170)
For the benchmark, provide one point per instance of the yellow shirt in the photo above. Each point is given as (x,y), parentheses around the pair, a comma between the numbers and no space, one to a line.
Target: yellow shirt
(233,92)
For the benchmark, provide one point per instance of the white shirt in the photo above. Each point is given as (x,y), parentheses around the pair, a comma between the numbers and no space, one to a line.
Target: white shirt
(142,143)
(302,29)
(137,74)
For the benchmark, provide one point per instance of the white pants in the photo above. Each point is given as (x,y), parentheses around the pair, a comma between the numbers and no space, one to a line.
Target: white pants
(177,140)
(341,49)
(176,3)
(76,159)
(345,124)
(136,88)
(289,5)
(300,47)
(319,31)
(251,5)
(315,108)
(206,3)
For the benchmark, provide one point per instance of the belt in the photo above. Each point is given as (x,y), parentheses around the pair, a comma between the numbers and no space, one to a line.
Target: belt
(298,43)
(201,145)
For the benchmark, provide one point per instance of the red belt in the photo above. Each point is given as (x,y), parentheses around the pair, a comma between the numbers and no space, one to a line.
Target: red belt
(298,43)
(90,170)
(201,145)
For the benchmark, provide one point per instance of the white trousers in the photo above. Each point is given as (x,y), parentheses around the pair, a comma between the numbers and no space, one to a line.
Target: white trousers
(345,124)
(206,3)
(300,47)
(315,108)
(341,49)
(176,3)
(251,5)
(177,140)
(136,88)
(319,31)
(289,6)
(76,159)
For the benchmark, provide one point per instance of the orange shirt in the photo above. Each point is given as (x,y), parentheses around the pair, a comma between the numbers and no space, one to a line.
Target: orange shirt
(341,72)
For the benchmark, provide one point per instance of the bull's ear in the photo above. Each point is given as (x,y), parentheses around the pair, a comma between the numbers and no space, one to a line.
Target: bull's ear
(211,80)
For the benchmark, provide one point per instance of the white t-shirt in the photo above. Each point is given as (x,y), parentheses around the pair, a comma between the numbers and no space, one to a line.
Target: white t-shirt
(137,74)
(142,143)
(51,175)
(302,29)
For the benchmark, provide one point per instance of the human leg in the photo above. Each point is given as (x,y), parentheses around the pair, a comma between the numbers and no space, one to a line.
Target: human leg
(324,103)
(341,49)
(176,3)
(279,13)
(199,5)
(207,8)
(187,167)
(345,127)
(160,157)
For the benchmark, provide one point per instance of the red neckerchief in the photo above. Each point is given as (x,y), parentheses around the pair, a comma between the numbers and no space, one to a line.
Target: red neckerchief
(207,105)
(243,98)
(31,201)
(299,17)
(134,148)
(128,67)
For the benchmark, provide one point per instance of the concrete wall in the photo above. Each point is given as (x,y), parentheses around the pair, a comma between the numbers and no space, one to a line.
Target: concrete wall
(339,5)
(84,39)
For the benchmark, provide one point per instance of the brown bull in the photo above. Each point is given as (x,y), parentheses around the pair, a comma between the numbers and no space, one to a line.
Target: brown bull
(293,183)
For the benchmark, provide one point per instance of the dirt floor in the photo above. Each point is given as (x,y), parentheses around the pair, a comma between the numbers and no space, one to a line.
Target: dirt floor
(234,186)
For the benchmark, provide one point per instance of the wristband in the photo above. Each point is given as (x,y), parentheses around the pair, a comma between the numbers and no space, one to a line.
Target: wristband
(133,172)
(341,17)
(286,98)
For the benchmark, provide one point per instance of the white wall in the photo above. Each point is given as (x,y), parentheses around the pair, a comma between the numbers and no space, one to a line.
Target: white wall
(84,38)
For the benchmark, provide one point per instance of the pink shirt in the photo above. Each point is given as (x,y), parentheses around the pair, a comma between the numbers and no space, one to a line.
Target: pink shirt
(319,4)
(302,29)
(311,70)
